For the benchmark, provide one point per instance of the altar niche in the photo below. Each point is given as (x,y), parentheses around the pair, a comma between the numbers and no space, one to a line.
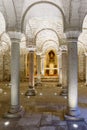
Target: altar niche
(51,64)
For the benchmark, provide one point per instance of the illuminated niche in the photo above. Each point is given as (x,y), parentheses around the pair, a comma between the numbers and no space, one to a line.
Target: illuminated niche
(51,64)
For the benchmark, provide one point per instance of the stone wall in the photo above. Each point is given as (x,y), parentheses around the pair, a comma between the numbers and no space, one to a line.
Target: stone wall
(22,67)
(1,67)
(6,67)
(81,66)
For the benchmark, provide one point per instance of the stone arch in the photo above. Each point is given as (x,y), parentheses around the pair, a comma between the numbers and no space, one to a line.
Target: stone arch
(2,24)
(46,29)
(49,48)
(84,22)
(40,2)
(48,41)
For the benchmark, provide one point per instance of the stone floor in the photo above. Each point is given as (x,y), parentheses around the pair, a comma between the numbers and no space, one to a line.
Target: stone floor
(45,111)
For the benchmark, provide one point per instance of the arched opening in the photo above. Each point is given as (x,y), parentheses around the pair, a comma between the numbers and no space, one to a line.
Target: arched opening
(40,9)
(51,64)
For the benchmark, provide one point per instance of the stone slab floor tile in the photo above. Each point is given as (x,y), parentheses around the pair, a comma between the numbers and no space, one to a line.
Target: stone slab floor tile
(26,128)
(61,128)
(62,123)
(47,128)
(78,125)
(46,119)
(8,124)
(31,120)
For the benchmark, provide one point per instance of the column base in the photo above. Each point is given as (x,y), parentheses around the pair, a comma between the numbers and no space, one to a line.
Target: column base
(59,85)
(73,114)
(64,92)
(77,118)
(38,84)
(86,84)
(30,92)
(14,113)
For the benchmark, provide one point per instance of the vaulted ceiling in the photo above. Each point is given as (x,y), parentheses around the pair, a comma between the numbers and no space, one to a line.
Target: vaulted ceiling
(44,22)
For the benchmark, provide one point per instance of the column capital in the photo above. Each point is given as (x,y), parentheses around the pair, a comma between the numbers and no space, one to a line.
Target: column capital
(72,36)
(72,40)
(31,49)
(15,36)
(85,53)
(63,49)
(59,53)
(38,53)
(42,56)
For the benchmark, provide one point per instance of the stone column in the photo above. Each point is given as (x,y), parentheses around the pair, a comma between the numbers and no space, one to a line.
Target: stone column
(86,68)
(64,73)
(1,67)
(38,83)
(58,64)
(60,69)
(42,65)
(22,67)
(31,91)
(73,109)
(15,109)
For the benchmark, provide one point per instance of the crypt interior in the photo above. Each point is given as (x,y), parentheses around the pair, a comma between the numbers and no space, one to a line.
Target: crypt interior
(43,64)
